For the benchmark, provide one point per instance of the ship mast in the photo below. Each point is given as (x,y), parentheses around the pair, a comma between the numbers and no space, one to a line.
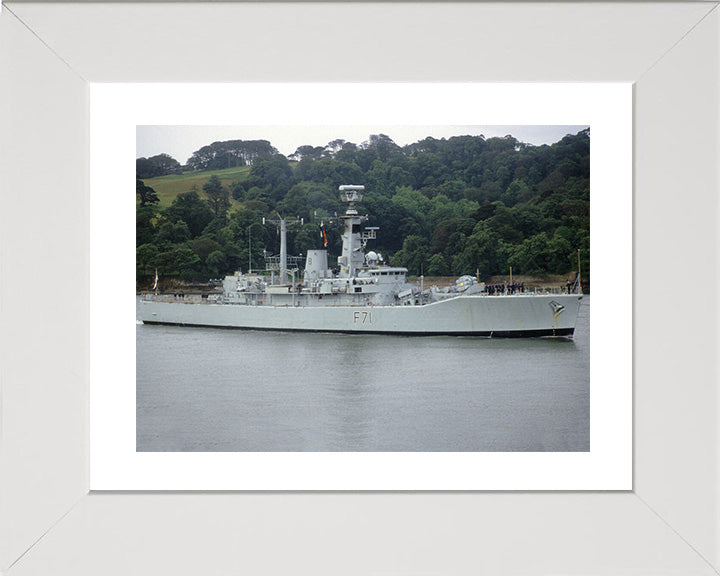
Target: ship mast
(283,223)
(352,255)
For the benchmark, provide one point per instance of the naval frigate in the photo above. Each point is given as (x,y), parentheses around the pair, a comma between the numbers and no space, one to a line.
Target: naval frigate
(364,295)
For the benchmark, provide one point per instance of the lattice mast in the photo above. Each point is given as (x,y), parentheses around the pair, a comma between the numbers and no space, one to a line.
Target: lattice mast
(283,224)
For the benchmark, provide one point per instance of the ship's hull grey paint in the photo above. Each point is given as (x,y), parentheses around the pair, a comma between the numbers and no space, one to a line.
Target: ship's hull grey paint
(479,315)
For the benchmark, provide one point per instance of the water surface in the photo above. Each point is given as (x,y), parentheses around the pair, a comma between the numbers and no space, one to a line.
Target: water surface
(207,389)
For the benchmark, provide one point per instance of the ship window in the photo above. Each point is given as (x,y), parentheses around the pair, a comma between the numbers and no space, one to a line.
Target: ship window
(356,228)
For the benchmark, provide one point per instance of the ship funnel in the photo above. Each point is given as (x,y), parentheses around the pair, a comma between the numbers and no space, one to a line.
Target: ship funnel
(316,265)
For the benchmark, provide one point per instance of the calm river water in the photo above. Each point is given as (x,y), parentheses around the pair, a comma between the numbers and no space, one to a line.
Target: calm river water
(204,389)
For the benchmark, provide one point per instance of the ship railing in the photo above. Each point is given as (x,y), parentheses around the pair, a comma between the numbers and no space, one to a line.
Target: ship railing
(272,263)
(183,298)
(532,290)
(553,290)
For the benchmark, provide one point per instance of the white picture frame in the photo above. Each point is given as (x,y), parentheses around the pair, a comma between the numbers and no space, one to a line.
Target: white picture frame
(667,524)
(116,109)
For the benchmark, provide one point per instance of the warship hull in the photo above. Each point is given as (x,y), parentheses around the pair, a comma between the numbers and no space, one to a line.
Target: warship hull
(517,315)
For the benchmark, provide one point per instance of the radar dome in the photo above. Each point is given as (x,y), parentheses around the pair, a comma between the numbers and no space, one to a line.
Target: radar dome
(372,258)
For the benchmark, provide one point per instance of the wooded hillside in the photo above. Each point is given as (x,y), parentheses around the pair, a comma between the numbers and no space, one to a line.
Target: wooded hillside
(444,207)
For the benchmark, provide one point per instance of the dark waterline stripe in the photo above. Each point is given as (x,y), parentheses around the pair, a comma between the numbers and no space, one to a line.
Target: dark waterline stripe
(557,332)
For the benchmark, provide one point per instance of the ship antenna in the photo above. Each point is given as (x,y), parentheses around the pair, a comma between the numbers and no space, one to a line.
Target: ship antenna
(351,194)
(283,224)
(579,281)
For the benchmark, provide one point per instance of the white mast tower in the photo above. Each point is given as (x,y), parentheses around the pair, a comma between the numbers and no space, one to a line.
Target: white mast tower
(354,239)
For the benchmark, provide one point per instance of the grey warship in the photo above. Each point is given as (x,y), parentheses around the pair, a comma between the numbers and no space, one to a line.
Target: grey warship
(363,295)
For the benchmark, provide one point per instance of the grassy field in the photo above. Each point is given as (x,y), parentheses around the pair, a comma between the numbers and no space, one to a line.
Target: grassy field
(168,187)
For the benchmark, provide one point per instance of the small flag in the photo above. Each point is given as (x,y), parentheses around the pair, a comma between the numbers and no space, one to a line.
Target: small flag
(324,237)
(156,280)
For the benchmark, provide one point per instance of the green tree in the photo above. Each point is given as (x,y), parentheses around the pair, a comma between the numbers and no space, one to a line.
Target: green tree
(216,262)
(190,208)
(480,253)
(307,238)
(186,262)
(416,204)
(218,196)
(146,194)
(145,259)
(444,231)
(296,201)
(516,192)
(557,254)
(165,263)
(173,233)
(529,257)
(230,153)
(144,225)
(437,266)
(238,190)
(413,255)
(504,224)
(154,166)
(453,189)
(203,247)
(274,174)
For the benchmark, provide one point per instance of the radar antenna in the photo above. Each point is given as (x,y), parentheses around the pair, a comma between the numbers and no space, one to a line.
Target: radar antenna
(351,194)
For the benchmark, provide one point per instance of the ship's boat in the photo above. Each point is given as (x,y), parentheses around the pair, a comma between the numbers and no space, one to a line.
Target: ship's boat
(362,294)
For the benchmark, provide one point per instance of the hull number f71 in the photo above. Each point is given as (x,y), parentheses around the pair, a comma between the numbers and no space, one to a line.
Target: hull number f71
(362,317)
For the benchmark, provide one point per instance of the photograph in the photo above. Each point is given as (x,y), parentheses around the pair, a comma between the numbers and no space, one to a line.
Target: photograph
(363,288)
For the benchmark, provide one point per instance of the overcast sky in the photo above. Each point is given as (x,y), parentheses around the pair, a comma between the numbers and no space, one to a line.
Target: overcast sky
(181,141)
